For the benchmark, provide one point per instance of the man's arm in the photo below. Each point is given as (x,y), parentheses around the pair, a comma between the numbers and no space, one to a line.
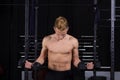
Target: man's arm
(41,59)
(43,53)
(76,60)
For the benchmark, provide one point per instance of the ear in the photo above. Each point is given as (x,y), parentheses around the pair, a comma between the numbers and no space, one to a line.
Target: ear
(67,28)
(54,28)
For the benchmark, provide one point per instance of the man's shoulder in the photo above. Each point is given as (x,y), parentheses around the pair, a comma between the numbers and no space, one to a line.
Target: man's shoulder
(48,37)
(74,40)
(72,37)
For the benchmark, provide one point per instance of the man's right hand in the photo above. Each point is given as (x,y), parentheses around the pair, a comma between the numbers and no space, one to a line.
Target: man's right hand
(24,63)
(29,65)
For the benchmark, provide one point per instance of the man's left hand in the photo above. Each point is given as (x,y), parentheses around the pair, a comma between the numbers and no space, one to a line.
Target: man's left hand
(90,65)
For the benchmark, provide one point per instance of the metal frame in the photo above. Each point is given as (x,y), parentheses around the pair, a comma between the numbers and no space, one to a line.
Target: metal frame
(95,36)
(26,34)
(112,38)
(36,36)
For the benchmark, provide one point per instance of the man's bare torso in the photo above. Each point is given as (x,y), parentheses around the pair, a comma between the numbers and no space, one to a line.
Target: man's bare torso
(60,53)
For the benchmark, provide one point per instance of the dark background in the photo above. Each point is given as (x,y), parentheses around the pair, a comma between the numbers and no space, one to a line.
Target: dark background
(80,15)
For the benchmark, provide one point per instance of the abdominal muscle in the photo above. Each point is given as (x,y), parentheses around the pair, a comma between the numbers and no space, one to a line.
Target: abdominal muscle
(59,61)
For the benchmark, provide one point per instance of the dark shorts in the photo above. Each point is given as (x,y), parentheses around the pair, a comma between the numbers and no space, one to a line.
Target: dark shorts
(58,75)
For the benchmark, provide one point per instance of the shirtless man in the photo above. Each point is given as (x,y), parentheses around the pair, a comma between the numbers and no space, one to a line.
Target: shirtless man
(62,51)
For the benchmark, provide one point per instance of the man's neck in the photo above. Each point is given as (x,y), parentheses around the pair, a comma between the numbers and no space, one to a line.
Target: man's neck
(59,37)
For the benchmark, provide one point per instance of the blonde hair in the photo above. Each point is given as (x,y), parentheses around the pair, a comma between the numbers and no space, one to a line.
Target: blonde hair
(61,23)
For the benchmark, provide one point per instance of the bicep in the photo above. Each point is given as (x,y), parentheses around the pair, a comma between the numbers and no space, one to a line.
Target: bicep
(75,55)
(76,59)
(44,50)
(43,55)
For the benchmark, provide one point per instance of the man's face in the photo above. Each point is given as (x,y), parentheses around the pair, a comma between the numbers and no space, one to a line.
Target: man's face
(61,33)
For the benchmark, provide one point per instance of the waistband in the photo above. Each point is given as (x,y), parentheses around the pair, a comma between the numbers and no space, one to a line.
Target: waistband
(66,71)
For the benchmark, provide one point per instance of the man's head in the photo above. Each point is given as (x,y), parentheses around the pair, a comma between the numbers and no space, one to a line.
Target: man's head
(61,25)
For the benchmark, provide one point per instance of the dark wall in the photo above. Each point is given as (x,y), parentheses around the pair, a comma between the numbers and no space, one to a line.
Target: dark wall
(5,22)
(10,23)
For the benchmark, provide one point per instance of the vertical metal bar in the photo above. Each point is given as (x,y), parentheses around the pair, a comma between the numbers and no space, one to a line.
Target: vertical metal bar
(36,36)
(112,38)
(36,32)
(94,44)
(26,34)
(94,71)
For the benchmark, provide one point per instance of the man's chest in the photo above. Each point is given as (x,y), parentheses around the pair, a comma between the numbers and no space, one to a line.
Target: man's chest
(60,46)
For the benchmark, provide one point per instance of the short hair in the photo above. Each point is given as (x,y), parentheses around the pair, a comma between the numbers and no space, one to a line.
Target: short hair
(61,23)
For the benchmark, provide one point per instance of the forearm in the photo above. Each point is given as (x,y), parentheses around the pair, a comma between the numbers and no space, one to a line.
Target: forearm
(79,64)
(40,60)
(82,65)
(76,61)
(36,66)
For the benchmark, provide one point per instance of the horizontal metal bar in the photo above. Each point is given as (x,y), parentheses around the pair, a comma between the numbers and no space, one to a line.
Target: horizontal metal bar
(87,52)
(105,67)
(50,4)
(87,56)
(83,36)
(89,46)
(82,49)
(88,59)
(85,43)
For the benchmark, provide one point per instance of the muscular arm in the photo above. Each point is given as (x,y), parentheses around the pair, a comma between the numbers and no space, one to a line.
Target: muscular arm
(43,53)
(77,62)
(41,59)
(76,59)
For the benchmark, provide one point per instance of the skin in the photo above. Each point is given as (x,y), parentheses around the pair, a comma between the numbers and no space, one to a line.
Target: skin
(61,49)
